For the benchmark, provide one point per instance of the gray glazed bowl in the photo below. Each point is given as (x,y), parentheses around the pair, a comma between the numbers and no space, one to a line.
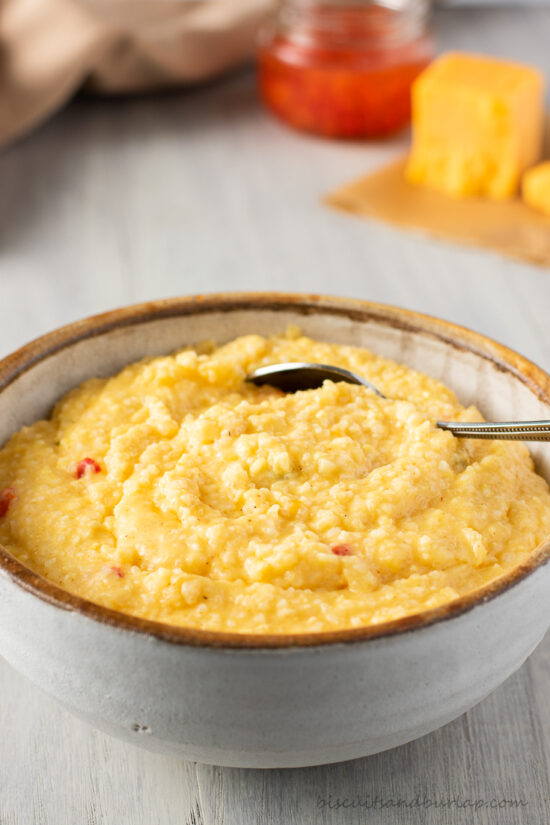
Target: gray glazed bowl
(271,701)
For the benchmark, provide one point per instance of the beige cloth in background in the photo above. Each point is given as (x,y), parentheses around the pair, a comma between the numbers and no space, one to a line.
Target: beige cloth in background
(49,48)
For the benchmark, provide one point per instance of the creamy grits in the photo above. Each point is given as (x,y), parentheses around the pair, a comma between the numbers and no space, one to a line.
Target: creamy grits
(177,492)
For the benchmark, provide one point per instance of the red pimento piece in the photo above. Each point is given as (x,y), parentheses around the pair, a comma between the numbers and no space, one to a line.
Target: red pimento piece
(86,466)
(341,550)
(6,498)
(118,571)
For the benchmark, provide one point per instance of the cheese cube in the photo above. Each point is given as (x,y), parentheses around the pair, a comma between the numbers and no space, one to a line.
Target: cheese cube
(535,187)
(477,125)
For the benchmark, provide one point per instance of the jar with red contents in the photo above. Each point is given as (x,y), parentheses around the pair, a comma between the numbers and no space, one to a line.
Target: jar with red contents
(344,68)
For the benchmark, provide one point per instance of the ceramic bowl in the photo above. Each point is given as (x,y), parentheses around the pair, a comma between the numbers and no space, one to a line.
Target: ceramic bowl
(271,701)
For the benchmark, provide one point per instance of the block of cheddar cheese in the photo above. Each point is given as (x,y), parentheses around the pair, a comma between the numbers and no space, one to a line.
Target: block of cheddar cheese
(535,187)
(477,125)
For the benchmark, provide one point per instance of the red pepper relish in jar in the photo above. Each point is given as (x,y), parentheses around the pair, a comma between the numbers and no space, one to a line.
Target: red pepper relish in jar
(344,68)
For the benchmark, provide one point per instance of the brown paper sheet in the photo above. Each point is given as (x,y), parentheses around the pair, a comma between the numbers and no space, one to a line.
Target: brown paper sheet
(508,227)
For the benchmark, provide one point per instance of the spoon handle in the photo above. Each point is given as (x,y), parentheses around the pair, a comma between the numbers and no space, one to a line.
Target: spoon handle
(505,430)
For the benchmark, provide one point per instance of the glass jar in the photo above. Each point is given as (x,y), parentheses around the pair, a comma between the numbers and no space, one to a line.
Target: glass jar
(344,68)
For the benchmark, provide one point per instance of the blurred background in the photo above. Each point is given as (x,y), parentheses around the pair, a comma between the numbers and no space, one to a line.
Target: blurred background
(121,198)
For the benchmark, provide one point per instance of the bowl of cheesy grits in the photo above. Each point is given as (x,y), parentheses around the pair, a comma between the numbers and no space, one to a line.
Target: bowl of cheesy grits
(248,577)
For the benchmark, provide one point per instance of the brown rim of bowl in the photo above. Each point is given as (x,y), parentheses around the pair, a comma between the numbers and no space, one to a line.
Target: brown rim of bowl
(528,373)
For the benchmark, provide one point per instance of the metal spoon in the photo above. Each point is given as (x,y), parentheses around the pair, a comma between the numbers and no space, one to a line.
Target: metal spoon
(294,376)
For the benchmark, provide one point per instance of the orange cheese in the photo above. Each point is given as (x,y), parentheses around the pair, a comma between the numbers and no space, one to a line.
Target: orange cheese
(535,187)
(477,125)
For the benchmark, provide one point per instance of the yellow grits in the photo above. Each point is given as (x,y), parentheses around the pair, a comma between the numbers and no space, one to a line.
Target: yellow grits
(207,502)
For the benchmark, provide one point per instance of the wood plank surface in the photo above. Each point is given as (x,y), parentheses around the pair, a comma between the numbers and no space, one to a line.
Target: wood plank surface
(114,202)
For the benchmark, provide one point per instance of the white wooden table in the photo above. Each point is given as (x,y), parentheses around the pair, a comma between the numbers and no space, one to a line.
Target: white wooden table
(120,201)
